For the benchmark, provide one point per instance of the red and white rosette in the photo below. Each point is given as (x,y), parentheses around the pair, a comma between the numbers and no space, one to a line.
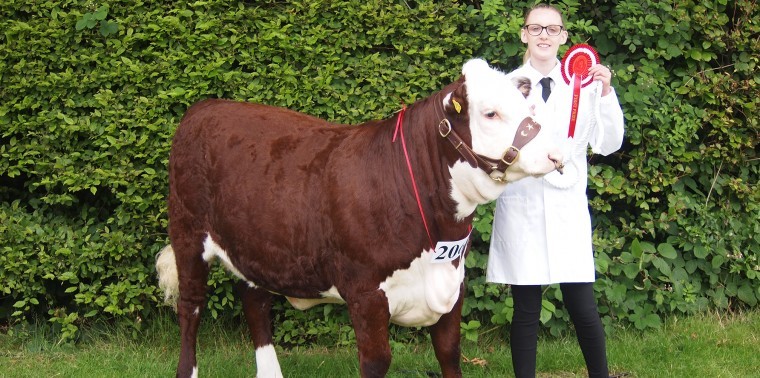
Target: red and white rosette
(575,65)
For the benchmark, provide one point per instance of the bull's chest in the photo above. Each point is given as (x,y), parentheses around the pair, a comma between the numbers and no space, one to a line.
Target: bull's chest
(420,294)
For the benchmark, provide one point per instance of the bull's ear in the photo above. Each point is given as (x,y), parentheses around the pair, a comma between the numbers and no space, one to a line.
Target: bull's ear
(523,85)
(455,103)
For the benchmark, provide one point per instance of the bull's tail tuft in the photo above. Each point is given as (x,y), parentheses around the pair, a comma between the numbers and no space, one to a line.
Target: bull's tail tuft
(166,266)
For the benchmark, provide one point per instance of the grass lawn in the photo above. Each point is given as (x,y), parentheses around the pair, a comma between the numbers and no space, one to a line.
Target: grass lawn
(709,345)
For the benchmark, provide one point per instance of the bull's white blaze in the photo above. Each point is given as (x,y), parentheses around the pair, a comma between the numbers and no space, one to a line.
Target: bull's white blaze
(195,372)
(212,250)
(422,293)
(496,108)
(267,365)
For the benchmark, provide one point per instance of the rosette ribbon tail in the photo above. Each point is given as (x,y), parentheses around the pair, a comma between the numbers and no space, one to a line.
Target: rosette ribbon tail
(576,79)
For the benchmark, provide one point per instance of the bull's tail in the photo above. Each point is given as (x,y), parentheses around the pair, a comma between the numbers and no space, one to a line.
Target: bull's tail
(166,266)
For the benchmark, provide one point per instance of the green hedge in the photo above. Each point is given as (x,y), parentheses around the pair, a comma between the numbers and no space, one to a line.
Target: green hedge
(90,95)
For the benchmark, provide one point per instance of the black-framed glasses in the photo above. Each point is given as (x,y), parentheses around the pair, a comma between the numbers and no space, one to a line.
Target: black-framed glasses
(536,29)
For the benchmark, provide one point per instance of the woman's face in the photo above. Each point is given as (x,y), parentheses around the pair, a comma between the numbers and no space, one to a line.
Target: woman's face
(543,47)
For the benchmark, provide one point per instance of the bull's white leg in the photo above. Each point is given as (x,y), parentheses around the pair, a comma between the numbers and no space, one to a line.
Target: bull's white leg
(267,365)
(257,305)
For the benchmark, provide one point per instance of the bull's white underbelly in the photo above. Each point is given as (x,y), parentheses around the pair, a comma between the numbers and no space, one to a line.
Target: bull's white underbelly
(417,296)
(422,293)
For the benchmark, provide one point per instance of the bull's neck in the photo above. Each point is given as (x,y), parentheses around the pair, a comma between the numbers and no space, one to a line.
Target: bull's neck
(430,167)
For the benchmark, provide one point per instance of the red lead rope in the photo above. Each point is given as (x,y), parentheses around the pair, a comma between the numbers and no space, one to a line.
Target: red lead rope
(400,129)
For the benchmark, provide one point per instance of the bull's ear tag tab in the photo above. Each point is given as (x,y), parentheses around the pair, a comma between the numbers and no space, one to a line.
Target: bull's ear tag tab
(457,106)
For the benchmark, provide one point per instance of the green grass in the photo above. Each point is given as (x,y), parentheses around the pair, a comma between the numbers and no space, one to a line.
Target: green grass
(708,345)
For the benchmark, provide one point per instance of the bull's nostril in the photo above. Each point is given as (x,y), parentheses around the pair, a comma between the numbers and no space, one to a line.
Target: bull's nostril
(557,158)
(559,166)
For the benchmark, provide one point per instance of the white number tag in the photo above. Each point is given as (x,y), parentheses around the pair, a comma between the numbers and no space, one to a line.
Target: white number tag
(447,251)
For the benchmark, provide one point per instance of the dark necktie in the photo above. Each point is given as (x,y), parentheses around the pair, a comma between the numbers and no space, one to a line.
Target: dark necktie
(546,85)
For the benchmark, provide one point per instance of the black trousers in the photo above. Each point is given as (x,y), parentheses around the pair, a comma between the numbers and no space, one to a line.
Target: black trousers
(581,304)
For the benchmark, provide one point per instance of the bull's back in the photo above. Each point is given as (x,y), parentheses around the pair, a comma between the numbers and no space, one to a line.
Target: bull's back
(217,120)
(235,164)
(222,136)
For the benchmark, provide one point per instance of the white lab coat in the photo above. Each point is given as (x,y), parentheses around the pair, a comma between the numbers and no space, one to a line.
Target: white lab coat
(542,226)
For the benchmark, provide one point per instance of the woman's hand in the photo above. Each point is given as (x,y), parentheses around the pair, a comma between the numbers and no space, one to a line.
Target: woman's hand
(603,74)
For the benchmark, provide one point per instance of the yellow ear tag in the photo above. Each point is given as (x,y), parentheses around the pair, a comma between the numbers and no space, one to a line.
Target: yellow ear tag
(457,106)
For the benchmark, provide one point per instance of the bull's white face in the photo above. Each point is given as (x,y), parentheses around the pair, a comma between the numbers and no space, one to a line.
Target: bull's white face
(496,108)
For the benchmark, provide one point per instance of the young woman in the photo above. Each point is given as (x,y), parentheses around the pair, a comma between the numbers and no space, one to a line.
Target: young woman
(542,226)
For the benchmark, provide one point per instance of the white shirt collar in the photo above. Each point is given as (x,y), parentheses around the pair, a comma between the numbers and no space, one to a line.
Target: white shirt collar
(535,76)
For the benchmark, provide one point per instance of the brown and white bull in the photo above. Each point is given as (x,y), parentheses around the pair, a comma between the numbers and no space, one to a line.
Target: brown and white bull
(376,215)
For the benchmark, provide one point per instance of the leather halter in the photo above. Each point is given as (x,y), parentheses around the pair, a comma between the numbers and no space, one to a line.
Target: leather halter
(496,168)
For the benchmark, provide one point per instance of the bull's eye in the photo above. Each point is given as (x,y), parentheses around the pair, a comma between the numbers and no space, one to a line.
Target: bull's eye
(490,114)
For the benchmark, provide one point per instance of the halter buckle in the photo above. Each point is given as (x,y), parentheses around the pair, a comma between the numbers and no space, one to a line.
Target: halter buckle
(441,130)
(510,149)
